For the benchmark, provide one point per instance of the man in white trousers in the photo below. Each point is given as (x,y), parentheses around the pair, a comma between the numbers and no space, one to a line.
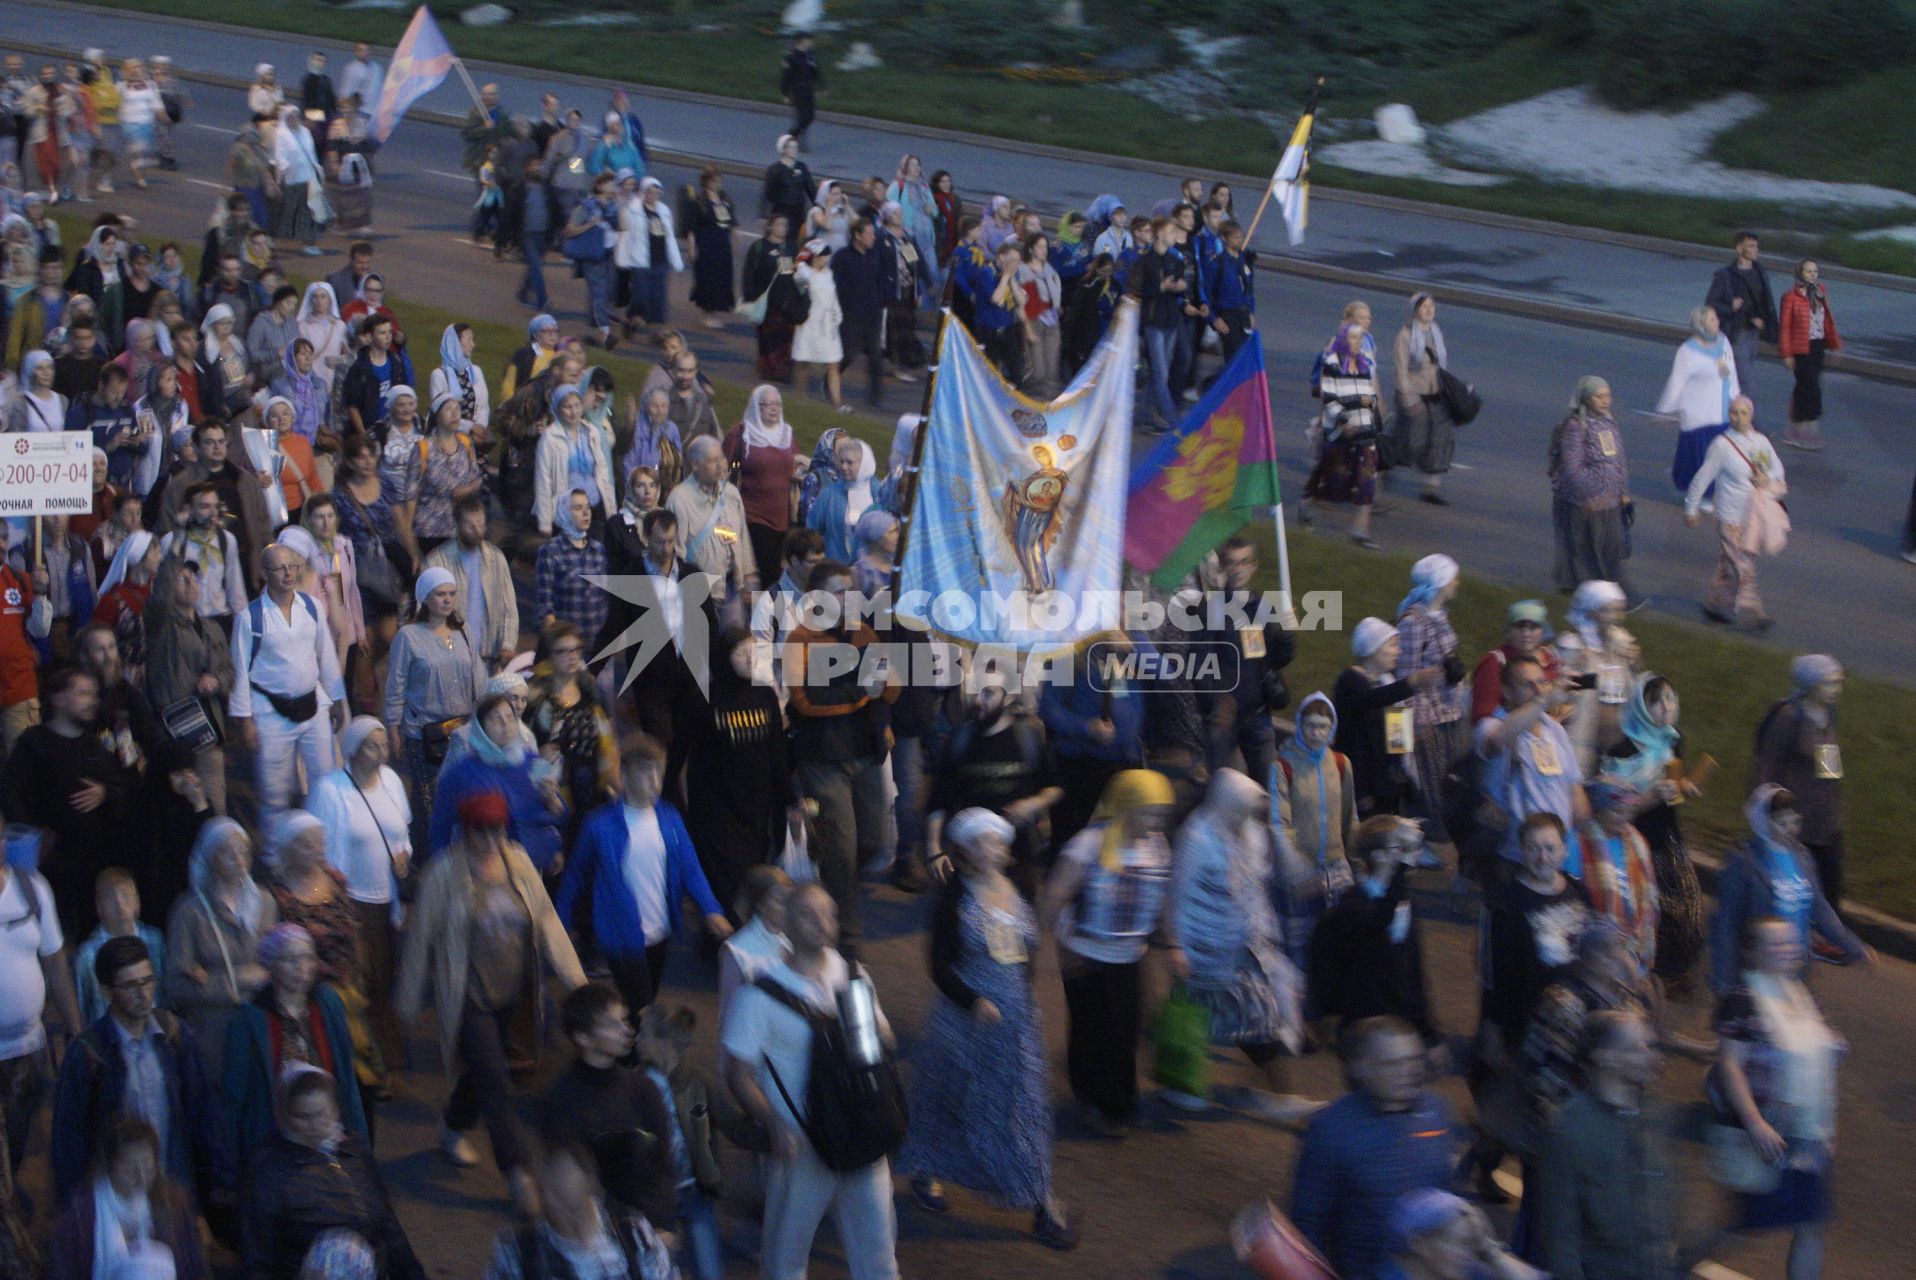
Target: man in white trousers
(288,695)
(760,1036)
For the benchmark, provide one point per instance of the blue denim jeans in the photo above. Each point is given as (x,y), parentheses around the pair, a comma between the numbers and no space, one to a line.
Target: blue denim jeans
(911,763)
(700,1255)
(598,291)
(533,288)
(1160,351)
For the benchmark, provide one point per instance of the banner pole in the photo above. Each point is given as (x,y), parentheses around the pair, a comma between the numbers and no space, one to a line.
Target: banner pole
(910,497)
(471,88)
(1284,568)
(1259,215)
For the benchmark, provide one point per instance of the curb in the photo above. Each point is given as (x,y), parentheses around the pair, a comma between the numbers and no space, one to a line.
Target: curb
(1336,195)
(1890,935)
(1482,299)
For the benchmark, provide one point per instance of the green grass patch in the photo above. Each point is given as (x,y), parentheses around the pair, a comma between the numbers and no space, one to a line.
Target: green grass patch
(1855,132)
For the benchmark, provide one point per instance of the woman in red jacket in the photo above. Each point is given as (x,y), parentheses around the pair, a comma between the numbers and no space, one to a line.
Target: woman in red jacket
(1807,329)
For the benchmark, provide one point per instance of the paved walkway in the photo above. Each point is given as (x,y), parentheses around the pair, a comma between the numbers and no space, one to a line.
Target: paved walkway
(1418,245)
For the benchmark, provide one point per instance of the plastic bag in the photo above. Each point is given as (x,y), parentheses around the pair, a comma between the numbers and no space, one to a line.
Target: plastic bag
(796,860)
(1183,1058)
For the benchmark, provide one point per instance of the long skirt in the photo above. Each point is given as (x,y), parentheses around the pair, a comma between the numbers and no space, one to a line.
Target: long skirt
(1593,544)
(775,347)
(1691,446)
(352,206)
(1428,436)
(1346,473)
(712,271)
(1438,748)
(295,220)
(1733,588)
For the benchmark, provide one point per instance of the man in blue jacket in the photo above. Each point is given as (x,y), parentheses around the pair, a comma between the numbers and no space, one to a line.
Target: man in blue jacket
(137,1060)
(1386,1138)
(636,863)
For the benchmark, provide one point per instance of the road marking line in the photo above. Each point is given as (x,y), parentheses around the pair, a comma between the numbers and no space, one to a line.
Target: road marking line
(213,128)
(202,182)
(456,177)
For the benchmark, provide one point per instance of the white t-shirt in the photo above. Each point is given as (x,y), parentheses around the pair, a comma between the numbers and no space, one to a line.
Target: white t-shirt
(645,871)
(363,832)
(761,1031)
(26,935)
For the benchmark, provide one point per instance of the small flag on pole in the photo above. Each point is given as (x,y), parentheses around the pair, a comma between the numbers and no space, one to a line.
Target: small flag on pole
(421,61)
(1291,184)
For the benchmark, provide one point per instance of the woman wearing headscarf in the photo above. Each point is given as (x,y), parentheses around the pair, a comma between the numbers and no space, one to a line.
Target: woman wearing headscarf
(443,469)
(1797,748)
(314,1177)
(760,449)
(481,936)
(212,937)
(570,722)
(435,677)
(297,1018)
(528,362)
(459,376)
(1425,426)
(1590,483)
(298,471)
(1438,713)
(1347,472)
(142,353)
(816,345)
(595,394)
(1599,660)
(1233,942)
(36,405)
(647,252)
(367,821)
(221,347)
(620,149)
(129,1223)
(997,225)
(1746,472)
(950,211)
(875,539)
(707,220)
(123,595)
(655,441)
(571,456)
(302,202)
(502,757)
(1372,727)
(912,194)
(847,494)
(788,188)
(1106,901)
(981,1101)
(1701,385)
(311,395)
(769,286)
(1648,762)
(1313,808)
(1806,330)
(188,657)
(831,217)
(1434,1235)
(335,569)
(1773,875)
(1612,861)
(1775,1079)
(320,324)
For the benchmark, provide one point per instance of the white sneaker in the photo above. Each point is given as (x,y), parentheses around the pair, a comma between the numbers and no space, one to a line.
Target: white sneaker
(458,1148)
(104,188)
(1283,1108)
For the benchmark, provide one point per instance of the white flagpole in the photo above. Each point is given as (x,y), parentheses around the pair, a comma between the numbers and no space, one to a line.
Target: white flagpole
(471,88)
(1284,567)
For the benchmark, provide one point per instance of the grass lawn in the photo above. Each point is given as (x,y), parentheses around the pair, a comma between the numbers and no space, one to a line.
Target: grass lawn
(1725,683)
(1839,140)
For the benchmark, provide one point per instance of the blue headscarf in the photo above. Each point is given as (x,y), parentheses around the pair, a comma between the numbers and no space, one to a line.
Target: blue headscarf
(538,322)
(562,517)
(558,396)
(452,353)
(1655,743)
(1297,739)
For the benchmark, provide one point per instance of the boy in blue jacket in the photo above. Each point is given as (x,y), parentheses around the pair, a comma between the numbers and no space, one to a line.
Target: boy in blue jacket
(635,863)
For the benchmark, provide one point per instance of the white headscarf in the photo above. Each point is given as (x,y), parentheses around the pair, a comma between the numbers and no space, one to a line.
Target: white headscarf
(757,434)
(1370,636)
(1591,597)
(971,825)
(1428,577)
(132,550)
(300,541)
(219,311)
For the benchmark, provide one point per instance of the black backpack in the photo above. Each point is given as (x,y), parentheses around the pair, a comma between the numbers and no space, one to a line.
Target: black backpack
(853,1115)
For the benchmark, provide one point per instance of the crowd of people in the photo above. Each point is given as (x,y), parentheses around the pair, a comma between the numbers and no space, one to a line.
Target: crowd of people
(284,691)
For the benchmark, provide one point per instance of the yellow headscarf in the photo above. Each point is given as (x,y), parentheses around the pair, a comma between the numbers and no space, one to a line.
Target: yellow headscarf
(1127,792)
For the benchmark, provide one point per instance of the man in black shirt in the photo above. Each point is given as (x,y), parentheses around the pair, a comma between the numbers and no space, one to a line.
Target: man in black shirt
(76,370)
(798,83)
(610,1106)
(997,760)
(866,280)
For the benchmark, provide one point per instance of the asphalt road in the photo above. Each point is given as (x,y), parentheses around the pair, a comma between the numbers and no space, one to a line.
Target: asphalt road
(1838,587)
(1410,244)
(1159,1203)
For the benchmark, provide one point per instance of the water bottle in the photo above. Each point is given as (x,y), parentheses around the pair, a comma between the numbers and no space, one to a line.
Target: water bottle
(858,1016)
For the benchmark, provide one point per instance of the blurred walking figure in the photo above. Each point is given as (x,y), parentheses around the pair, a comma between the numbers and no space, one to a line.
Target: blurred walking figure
(1748,475)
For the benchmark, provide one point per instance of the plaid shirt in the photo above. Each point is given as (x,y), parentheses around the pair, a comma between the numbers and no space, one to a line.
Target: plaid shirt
(563,592)
(1427,640)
